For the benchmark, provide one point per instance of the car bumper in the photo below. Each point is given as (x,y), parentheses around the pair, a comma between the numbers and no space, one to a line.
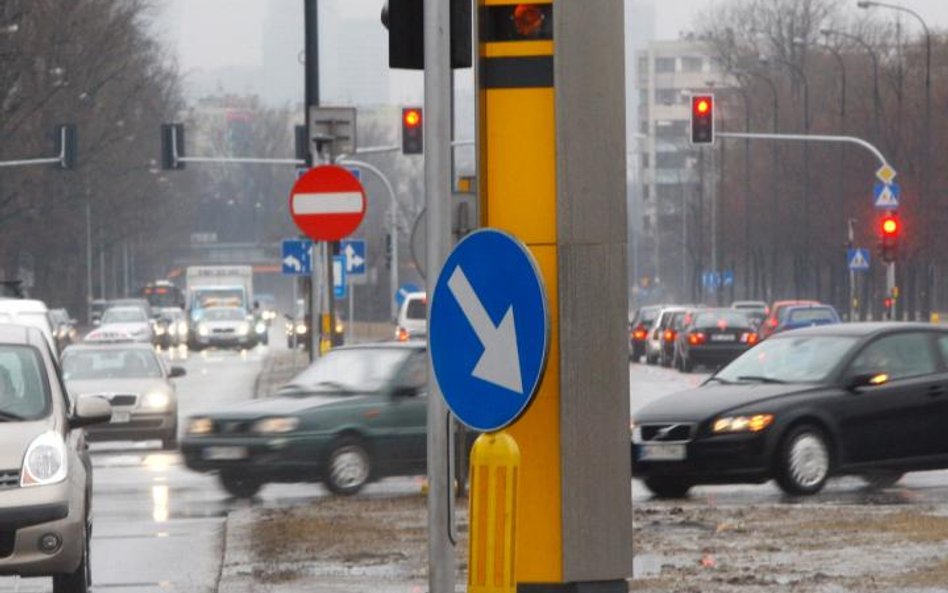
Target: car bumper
(716,354)
(139,427)
(277,459)
(26,515)
(225,341)
(725,459)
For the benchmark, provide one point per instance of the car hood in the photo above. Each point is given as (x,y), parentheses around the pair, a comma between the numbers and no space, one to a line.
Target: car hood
(83,387)
(15,437)
(131,328)
(276,406)
(706,402)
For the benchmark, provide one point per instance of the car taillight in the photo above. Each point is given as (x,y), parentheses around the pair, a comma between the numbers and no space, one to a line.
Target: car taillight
(640,333)
(772,322)
(697,338)
(669,335)
(402,335)
(750,338)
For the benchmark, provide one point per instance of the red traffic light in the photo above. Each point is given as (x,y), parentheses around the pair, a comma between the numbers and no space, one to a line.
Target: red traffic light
(702,119)
(528,19)
(412,117)
(890,226)
(702,106)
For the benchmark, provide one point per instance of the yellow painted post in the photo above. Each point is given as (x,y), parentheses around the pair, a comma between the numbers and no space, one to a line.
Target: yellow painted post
(495,479)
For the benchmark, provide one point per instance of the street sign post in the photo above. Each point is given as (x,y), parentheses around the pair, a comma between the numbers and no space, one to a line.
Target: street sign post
(858,259)
(296,257)
(886,195)
(489,329)
(327,203)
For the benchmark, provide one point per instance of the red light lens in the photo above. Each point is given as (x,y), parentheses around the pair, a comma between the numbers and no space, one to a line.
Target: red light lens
(890,226)
(412,118)
(528,18)
(703,106)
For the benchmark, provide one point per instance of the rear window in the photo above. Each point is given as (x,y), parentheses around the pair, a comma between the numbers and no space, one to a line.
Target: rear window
(721,318)
(811,315)
(417,309)
(24,392)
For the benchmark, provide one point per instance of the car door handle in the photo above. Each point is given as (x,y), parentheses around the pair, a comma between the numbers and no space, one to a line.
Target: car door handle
(936,391)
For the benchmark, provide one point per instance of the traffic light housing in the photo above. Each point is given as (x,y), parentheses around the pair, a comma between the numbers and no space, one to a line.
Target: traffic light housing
(702,119)
(172,146)
(404,20)
(413,138)
(67,145)
(890,228)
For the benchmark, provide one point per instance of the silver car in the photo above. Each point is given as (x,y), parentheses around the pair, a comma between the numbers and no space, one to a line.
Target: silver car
(127,320)
(135,381)
(45,472)
(225,327)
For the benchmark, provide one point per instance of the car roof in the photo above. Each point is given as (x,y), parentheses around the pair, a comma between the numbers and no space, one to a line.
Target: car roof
(125,308)
(860,329)
(20,334)
(106,345)
(23,306)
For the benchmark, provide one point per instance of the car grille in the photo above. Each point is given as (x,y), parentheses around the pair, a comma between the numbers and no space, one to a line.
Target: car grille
(667,432)
(232,426)
(9,478)
(123,399)
(7,539)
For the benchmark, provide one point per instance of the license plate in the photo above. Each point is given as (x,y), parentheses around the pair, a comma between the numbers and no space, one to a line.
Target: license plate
(723,337)
(120,417)
(661,452)
(224,453)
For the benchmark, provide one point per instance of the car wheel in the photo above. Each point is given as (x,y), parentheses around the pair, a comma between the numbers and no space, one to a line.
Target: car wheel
(170,440)
(667,487)
(803,465)
(349,467)
(239,485)
(79,580)
(881,479)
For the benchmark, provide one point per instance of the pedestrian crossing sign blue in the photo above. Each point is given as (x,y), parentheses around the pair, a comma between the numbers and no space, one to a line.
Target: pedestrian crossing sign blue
(858,260)
(886,195)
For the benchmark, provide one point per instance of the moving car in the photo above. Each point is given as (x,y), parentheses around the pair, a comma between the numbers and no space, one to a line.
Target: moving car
(799,316)
(225,327)
(45,470)
(756,310)
(64,328)
(357,414)
(412,317)
(131,320)
(713,337)
(171,327)
(29,312)
(639,329)
(134,380)
(804,405)
(773,318)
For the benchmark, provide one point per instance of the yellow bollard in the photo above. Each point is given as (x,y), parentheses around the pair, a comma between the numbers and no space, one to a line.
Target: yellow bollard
(495,477)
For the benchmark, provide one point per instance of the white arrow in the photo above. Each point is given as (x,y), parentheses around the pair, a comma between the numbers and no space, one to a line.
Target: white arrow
(500,362)
(293,263)
(352,258)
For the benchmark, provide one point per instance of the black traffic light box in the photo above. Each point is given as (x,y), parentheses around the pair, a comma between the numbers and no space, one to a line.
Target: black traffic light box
(172,146)
(404,20)
(890,229)
(67,145)
(702,119)
(413,138)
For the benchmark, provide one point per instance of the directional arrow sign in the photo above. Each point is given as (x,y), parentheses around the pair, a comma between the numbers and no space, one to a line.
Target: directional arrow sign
(296,257)
(489,329)
(354,250)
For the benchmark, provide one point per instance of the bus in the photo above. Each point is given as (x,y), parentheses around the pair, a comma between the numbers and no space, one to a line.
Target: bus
(163,294)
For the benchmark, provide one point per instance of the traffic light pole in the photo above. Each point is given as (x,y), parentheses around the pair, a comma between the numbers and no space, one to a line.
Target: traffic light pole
(810,138)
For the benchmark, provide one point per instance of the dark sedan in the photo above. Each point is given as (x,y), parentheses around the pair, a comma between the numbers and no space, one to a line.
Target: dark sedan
(713,337)
(356,415)
(868,398)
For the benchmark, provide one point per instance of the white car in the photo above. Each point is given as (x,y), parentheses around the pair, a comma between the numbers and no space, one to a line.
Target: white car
(653,343)
(131,321)
(412,318)
(31,313)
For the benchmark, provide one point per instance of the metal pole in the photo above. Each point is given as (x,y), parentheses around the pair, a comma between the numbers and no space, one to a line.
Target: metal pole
(311,96)
(125,268)
(810,138)
(350,287)
(89,290)
(437,129)
(852,273)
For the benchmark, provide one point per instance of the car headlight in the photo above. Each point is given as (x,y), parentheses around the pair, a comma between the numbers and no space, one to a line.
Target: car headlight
(183,328)
(45,461)
(301,328)
(199,426)
(276,425)
(243,329)
(261,327)
(202,330)
(160,330)
(156,400)
(755,423)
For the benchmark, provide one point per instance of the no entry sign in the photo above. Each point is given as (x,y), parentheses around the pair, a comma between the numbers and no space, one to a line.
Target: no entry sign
(327,203)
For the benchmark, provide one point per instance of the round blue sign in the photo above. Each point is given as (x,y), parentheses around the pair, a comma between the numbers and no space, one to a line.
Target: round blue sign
(489,328)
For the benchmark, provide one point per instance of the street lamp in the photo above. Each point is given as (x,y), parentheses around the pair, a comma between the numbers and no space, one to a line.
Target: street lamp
(876,97)
(866,4)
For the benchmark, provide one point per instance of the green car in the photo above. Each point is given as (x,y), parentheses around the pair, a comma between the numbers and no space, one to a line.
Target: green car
(357,414)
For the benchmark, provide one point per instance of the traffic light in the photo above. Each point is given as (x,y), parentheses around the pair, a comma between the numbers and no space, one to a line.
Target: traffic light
(172,146)
(404,20)
(67,145)
(890,228)
(413,139)
(702,119)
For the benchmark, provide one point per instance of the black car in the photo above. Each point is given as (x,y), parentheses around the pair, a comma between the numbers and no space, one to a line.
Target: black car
(713,338)
(867,398)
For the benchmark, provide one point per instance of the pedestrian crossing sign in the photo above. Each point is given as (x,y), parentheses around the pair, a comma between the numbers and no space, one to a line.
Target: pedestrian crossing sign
(887,195)
(858,260)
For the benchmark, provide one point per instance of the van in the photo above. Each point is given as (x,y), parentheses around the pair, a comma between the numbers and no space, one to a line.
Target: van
(31,313)
(413,318)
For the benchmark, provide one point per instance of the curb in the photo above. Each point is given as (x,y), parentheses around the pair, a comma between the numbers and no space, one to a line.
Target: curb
(236,574)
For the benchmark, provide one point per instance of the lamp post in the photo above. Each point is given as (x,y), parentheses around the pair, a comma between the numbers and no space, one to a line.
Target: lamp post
(926,176)
(747,199)
(876,97)
(840,202)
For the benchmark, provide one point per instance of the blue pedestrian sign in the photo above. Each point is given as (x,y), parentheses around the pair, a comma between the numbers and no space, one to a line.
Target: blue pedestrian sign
(339,276)
(489,329)
(886,195)
(727,278)
(858,259)
(354,252)
(297,260)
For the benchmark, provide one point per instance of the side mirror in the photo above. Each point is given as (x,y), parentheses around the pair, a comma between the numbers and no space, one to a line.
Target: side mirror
(866,380)
(405,391)
(177,371)
(90,410)
(97,322)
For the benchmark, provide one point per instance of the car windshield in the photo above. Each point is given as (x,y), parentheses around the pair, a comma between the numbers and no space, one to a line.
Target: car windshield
(110,363)
(649,315)
(124,316)
(23,389)
(219,298)
(791,359)
(224,315)
(355,370)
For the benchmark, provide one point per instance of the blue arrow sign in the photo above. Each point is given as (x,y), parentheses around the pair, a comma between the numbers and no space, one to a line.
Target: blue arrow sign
(858,259)
(296,257)
(354,252)
(339,276)
(489,329)
(886,195)
(727,278)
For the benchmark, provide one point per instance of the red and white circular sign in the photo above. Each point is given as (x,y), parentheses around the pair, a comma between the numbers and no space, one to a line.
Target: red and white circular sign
(327,203)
